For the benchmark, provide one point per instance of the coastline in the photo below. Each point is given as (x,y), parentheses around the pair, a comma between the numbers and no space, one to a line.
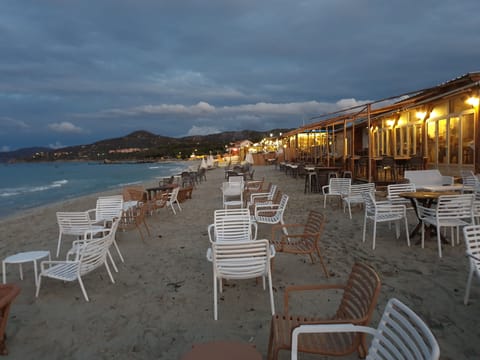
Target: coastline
(162,300)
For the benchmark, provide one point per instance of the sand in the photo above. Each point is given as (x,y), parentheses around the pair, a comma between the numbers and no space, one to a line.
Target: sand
(162,300)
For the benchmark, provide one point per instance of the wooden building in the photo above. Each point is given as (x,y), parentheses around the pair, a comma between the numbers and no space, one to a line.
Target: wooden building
(436,127)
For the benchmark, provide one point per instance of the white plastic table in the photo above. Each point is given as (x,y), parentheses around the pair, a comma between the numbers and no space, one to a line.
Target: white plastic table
(24,257)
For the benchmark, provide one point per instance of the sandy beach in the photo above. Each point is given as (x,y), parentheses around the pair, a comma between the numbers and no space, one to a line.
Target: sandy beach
(162,300)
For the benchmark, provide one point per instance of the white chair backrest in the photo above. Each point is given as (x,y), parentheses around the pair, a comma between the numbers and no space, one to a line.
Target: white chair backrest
(339,186)
(359,189)
(93,253)
(394,189)
(369,201)
(172,195)
(455,207)
(236,179)
(74,222)
(109,207)
(401,334)
(471,233)
(241,260)
(233,225)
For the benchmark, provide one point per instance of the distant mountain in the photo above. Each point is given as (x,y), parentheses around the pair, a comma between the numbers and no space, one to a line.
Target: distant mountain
(25,153)
(139,145)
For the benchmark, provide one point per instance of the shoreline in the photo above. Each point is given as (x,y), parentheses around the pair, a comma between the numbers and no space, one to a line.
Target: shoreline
(162,299)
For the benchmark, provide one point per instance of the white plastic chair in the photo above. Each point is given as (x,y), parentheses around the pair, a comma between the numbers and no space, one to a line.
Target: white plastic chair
(401,334)
(383,211)
(393,191)
(470,181)
(108,208)
(232,225)
(337,187)
(232,194)
(452,211)
(240,260)
(471,234)
(354,196)
(75,223)
(173,199)
(272,213)
(91,254)
(263,197)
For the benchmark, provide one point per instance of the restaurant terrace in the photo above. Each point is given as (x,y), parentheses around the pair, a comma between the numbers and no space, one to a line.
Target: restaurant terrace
(433,128)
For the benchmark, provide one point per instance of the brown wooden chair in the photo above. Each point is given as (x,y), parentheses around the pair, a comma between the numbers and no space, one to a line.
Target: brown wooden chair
(8,292)
(360,294)
(304,239)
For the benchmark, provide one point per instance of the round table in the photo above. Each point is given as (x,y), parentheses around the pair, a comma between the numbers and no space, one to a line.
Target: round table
(222,350)
(24,257)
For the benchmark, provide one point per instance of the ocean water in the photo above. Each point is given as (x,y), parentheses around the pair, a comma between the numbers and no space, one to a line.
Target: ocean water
(27,185)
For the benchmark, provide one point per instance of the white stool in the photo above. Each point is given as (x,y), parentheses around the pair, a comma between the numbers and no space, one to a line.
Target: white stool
(24,257)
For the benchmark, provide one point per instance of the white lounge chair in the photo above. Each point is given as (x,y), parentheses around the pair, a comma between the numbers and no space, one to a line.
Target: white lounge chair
(90,255)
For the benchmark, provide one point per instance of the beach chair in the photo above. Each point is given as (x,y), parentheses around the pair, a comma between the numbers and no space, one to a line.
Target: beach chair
(8,293)
(337,187)
(108,208)
(75,223)
(90,255)
(383,211)
(272,213)
(133,217)
(304,239)
(401,334)
(453,211)
(471,234)
(355,197)
(360,294)
(172,199)
(240,260)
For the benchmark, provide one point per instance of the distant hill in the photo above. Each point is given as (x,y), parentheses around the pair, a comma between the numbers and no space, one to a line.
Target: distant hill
(139,145)
(25,153)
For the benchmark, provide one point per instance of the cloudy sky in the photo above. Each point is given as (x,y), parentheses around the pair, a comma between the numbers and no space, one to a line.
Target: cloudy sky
(78,71)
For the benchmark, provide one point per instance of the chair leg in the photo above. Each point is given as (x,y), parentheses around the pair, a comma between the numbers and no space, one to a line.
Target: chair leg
(38,285)
(374,234)
(319,254)
(469,283)
(364,227)
(272,303)
(406,231)
(83,288)
(118,251)
(215,315)
(109,273)
(439,241)
(111,260)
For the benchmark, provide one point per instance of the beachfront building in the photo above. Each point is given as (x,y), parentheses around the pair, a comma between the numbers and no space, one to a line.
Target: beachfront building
(429,128)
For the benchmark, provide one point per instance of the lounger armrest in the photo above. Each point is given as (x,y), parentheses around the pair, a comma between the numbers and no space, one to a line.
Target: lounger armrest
(54,262)
(211,232)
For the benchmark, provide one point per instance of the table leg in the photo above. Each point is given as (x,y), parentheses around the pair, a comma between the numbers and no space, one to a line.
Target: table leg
(21,271)
(4,272)
(35,272)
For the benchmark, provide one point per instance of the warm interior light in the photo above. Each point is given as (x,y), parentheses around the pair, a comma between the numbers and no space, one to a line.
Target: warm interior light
(473,100)
(421,115)
(390,123)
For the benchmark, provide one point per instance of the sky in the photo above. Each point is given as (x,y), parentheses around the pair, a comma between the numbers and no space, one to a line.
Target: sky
(74,72)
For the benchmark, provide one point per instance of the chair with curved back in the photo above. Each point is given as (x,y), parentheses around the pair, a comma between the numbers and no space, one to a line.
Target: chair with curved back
(360,294)
(471,234)
(271,213)
(355,197)
(172,199)
(240,260)
(453,211)
(337,187)
(383,211)
(90,255)
(304,239)
(401,334)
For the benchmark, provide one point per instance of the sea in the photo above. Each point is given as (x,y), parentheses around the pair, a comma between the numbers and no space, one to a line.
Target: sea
(28,185)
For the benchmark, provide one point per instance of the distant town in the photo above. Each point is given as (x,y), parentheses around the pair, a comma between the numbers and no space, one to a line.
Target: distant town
(145,147)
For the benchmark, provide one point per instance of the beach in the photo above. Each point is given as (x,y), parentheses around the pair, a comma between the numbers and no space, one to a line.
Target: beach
(162,299)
